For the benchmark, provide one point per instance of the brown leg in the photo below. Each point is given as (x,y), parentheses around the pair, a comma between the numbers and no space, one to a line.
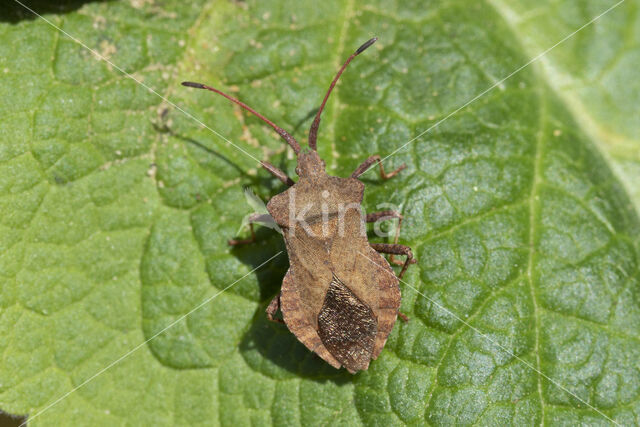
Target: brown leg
(236,242)
(371,160)
(395,249)
(262,218)
(403,316)
(383,215)
(277,173)
(273,308)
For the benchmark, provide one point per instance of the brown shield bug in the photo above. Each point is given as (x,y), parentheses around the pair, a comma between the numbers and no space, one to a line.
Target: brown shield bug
(332,298)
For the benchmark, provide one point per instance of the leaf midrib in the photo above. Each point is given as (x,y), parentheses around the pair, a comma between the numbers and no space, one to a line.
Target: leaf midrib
(624,147)
(594,135)
(533,214)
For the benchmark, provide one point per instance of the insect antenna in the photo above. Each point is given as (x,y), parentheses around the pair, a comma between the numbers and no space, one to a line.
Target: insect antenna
(283,133)
(313,132)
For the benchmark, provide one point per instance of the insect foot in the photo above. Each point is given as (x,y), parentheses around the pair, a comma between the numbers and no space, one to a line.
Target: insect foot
(340,297)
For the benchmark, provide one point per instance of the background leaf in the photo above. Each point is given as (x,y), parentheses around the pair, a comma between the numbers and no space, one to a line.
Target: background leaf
(522,209)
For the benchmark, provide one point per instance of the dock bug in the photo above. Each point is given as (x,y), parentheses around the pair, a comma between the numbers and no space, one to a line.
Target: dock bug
(332,298)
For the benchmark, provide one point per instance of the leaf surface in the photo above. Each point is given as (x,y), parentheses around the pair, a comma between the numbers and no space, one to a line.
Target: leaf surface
(116,206)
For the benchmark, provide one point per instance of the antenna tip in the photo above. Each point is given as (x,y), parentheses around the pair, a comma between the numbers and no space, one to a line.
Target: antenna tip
(366,45)
(192,84)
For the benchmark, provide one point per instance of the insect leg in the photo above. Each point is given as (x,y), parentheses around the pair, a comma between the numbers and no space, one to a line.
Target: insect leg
(396,249)
(273,308)
(371,160)
(384,215)
(236,242)
(277,173)
(252,219)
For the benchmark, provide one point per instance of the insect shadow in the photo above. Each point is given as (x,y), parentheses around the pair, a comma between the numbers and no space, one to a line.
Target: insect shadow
(13,12)
(261,180)
(273,342)
(311,114)
(10,420)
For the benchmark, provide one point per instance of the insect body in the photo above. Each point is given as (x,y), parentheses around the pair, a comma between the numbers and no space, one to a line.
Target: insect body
(340,297)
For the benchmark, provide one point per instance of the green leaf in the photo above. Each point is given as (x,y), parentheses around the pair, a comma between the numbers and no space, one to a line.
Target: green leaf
(116,206)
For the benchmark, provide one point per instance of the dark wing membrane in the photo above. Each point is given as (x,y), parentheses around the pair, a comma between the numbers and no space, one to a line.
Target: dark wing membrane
(347,327)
